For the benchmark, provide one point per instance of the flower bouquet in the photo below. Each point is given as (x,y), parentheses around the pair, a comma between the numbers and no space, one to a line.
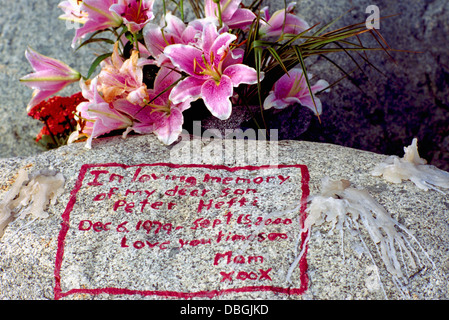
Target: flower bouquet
(159,65)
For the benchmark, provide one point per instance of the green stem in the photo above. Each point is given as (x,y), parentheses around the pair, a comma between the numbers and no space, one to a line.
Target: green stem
(136,43)
(164,10)
(181,9)
(51,133)
(217,2)
(70,123)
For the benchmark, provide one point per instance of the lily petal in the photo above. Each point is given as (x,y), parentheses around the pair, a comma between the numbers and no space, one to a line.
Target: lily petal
(241,19)
(39,96)
(320,86)
(220,44)
(283,23)
(308,102)
(216,97)
(186,58)
(154,40)
(284,86)
(40,62)
(228,8)
(135,14)
(236,57)
(189,88)
(72,11)
(98,17)
(171,127)
(210,36)
(240,73)
(165,78)
(295,25)
(231,13)
(270,101)
(175,26)
(106,118)
(51,76)
(48,76)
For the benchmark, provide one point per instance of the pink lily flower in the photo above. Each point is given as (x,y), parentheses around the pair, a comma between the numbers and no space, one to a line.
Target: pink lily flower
(50,76)
(292,88)
(194,30)
(121,78)
(72,11)
(157,37)
(160,116)
(282,22)
(98,116)
(135,13)
(99,17)
(169,125)
(173,31)
(231,14)
(213,69)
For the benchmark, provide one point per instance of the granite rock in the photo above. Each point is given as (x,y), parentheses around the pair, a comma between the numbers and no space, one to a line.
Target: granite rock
(82,250)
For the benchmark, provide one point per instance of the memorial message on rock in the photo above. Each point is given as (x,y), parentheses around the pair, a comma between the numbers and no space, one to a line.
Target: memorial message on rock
(183,231)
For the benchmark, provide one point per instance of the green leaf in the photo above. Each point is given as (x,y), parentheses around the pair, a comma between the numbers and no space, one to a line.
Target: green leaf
(347,75)
(254,5)
(262,44)
(328,25)
(258,62)
(304,71)
(278,58)
(89,40)
(294,38)
(96,62)
(92,40)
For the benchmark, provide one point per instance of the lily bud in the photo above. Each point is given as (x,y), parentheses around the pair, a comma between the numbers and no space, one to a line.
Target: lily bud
(50,76)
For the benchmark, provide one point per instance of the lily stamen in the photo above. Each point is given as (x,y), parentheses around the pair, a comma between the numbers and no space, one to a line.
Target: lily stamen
(159,108)
(195,65)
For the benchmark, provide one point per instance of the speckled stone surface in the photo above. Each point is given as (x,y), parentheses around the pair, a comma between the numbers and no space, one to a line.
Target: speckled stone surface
(100,264)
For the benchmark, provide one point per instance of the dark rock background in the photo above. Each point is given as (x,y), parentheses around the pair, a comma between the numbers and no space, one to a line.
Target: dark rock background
(410,100)
(379,111)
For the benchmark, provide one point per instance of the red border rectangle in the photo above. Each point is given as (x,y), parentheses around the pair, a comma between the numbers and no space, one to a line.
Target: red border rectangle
(65,225)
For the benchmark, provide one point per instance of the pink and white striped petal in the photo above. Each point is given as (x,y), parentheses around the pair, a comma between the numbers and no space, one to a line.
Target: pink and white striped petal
(216,97)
